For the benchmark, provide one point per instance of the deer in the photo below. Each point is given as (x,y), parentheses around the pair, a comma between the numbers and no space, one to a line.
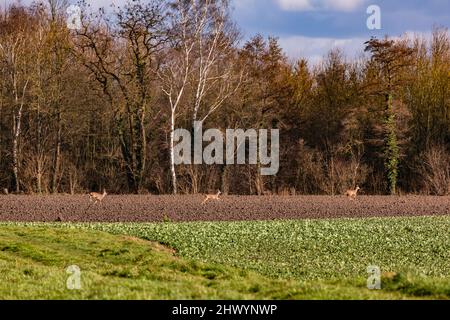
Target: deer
(97,197)
(212,197)
(351,194)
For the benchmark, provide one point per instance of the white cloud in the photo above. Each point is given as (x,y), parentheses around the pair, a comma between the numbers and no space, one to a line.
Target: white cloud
(315,49)
(310,5)
(106,3)
(295,5)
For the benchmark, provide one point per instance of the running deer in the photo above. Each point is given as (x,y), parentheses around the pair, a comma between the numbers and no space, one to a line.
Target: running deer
(212,197)
(97,197)
(351,194)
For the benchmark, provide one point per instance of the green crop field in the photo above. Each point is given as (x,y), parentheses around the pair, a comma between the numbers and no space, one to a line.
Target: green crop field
(307,259)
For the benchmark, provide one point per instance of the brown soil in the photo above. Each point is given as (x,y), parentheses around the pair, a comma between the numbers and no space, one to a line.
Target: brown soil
(188,208)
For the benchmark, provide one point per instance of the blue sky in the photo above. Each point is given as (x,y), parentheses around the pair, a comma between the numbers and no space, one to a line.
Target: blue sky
(310,28)
(322,20)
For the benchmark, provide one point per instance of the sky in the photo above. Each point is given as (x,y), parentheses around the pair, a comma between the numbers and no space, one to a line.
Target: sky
(310,28)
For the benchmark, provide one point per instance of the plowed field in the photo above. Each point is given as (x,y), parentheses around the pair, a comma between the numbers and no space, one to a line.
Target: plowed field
(230,208)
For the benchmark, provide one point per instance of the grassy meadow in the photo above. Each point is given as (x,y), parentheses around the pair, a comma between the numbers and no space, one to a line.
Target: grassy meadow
(307,259)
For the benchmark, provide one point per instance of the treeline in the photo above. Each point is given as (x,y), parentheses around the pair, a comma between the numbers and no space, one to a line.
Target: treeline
(95,107)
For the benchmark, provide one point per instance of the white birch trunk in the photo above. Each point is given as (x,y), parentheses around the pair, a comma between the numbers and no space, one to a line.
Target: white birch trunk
(172,155)
(15,152)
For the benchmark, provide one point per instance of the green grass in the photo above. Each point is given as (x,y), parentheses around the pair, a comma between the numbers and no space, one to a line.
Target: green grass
(310,259)
(34,258)
(413,253)
(33,262)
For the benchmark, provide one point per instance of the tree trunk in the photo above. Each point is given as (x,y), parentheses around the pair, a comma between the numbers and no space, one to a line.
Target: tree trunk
(39,178)
(38,151)
(141,149)
(127,156)
(15,151)
(172,155)
(225,179)
(57,155)
(259,183)
(17,130)
(392,149)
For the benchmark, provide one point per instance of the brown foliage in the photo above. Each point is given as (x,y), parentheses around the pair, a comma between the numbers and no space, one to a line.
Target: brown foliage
(95,112)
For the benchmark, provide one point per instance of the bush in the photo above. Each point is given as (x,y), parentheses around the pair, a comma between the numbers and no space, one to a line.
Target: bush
(435,171)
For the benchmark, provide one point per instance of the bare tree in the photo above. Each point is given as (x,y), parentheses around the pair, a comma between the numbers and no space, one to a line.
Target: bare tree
(214,39)
(202,57)
(175,71)
(435,170)
(15,58)
(120,55)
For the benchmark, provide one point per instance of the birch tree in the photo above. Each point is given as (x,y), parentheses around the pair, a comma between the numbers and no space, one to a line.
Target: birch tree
(214,79)
(175,71)
(208,38)
(15,59)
